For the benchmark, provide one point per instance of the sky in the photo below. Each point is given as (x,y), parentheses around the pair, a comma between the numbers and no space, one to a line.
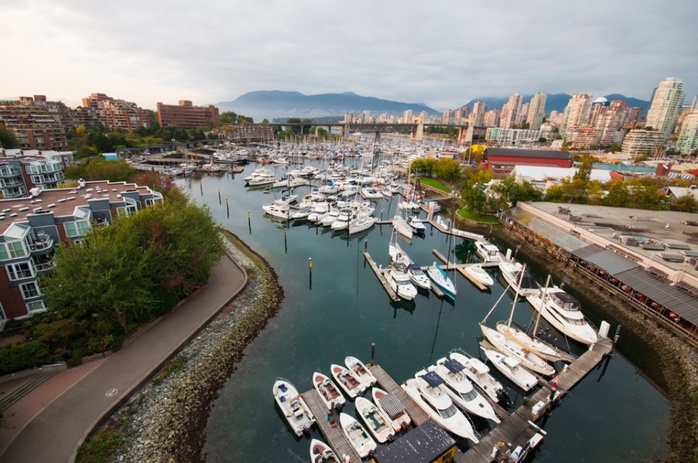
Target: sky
(441,53)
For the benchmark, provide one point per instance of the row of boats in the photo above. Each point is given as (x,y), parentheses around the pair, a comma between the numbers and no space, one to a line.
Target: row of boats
(449,391)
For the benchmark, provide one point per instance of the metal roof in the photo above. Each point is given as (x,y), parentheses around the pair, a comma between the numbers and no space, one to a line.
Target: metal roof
(673,298)
(391,405)
(524,153)
(609,262)
(422,444)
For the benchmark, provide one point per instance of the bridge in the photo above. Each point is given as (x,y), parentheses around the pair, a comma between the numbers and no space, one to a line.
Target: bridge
(415,130)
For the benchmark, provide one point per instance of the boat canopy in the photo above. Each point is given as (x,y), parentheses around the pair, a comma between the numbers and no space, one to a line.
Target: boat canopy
(392,406)
(414,266)
(433,379)
(454,366)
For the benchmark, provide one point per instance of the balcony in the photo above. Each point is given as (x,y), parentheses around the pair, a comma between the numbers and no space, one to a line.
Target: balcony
(42,244)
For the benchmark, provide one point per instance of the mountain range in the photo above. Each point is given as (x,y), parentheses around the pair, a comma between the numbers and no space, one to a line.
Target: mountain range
(276,104)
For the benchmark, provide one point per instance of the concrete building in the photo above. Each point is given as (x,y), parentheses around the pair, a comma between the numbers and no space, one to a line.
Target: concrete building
(477,117)
(641,141)
(491,118)
(510,111)
(30,228)
(36,122)
(114,114)
(576,114)
(187,116)
(508,137)
(665,106)
(687,141)
(536,111)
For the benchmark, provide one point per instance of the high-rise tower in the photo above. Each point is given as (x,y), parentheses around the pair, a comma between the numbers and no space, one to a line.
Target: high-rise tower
(665,106)
(536,111)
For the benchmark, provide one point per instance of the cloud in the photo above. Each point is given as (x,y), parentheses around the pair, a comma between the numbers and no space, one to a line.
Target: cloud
(440,53)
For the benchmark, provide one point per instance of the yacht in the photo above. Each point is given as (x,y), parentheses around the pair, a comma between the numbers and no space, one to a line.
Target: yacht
(400,282)
(564,313)
(461,390)
(518,278)
(488,252)
(511,348)
(479,374)
(512,369)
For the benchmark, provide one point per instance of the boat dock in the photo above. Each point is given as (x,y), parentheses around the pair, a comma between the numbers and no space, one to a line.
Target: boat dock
(449,229)
(333,434)
(380,273)
(460,268)
(518,427)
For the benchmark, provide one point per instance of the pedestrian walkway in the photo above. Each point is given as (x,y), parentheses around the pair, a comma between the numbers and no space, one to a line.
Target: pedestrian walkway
(53,420)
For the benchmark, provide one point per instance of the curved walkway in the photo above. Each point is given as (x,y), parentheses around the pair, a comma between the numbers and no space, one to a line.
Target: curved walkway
(59,427)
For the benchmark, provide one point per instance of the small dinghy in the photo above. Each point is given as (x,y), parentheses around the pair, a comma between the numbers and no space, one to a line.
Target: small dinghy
(349,383)
(360,370)
(293,406)
(328,392)
(357,435)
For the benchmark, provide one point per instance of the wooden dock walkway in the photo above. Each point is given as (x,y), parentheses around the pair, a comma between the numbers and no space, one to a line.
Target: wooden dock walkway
(518,427)
(334,436)
(387,383)
(381,277)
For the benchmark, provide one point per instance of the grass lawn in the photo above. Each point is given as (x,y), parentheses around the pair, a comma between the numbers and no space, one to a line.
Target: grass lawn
(466,214)
(435,184)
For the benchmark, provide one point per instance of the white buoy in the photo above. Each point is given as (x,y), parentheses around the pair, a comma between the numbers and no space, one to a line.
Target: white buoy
(603,329)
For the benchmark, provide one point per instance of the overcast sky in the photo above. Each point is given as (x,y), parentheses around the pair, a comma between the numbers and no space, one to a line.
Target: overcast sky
(441,53)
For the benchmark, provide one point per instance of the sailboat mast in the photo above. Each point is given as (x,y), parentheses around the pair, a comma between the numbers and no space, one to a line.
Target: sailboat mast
(516,295)
(542,301)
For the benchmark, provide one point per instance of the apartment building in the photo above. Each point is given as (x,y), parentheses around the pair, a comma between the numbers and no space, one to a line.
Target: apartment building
(19,175)
(31,227)
(112,113)
(187,116)
(36,122)
(665,106)
(641,141)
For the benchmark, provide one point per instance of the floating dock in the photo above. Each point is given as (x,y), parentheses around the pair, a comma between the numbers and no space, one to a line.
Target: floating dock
(460,268)
(333,434)
(380,273)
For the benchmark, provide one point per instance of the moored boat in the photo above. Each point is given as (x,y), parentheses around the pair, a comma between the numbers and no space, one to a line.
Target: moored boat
(564,313)
(461,390)
(511,348)
(520,281)
(399,281)
(349,383)
(375,421)
(512,369)
(488,252)
(391,408)
(401,226)
(328,392)
(360,370)
(479,274)
(357,435)
(442,280)
(479,374)
(322,453)
(292,405)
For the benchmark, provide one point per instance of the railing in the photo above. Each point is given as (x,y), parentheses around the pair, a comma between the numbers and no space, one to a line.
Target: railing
(44,266)
(41,244)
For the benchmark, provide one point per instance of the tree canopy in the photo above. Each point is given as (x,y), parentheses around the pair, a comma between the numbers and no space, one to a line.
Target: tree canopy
(7,137)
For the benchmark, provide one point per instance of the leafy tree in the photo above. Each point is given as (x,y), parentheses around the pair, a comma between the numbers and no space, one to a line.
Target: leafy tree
(228,117)
(475,198)
(509,192)
(100,168)
(618,195)
(8,139)
(424,167)
(448,169)
(584,171)
(685,203)
(554,194)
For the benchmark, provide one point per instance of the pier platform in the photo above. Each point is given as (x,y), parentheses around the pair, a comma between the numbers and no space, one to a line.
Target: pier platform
(381,277)
(333,435)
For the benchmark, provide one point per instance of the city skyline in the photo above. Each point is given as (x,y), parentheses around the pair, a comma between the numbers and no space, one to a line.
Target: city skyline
(441,56)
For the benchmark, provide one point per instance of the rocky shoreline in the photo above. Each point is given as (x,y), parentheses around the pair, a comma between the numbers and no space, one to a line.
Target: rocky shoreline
(166,420)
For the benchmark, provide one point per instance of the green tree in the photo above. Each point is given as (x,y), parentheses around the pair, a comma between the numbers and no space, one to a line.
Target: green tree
(685,203)
(618,195)
(228,117)
(100,168)
(8,139)
(448,169)
(584,171)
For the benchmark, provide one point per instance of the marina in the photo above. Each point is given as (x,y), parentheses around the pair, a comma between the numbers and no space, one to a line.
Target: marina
(349,307)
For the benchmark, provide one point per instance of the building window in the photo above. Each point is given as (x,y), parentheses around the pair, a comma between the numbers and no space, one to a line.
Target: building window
(21,270)
(127,210)
(30,290)
(36,306)
(12,250)
(3,317)
(77,228)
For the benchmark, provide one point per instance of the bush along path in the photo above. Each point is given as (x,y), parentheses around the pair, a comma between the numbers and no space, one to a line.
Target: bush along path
(166,420)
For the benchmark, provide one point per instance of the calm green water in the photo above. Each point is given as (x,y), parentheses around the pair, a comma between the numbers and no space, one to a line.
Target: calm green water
(613,415)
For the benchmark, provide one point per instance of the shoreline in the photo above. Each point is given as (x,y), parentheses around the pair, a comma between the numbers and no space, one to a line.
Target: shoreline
(166,420)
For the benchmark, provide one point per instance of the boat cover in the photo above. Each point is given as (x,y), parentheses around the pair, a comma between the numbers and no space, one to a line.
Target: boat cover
(454,366)
(392,406)
(433,379)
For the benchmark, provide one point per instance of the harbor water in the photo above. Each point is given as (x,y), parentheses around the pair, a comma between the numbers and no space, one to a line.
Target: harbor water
(339,308)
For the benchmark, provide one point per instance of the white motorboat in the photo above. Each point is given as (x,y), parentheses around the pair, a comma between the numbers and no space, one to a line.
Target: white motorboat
(564,313)
(357,435)
(285,200)
(376,423)
(280,212)
(342,220)
(442,280)
(360,370)
(328,392)
(361,223)
(399,281)
(479,274)
(349,383)
(322,453)
(415,272)
(479,374)
(302,214)
(417,225)
(527,342)
(518,278)
(261,177)
(293,406)
(330,218)
(461,390)
(512,369)
(401,226)
(512,348)
(392,409)
(488,252)
(428,393)
(371,193)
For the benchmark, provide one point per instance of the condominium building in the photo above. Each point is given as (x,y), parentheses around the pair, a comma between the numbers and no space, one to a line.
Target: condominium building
(187,116)
(687,141)
(477,117)
(491,118)
(30,228)
(36,122)
(536,111)
(665,106)
(641,141)
(115,114)
(510,111)
(576,114)
(508,137)
(20,175)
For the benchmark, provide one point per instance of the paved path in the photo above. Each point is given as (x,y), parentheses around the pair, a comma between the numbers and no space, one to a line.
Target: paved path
(59,428)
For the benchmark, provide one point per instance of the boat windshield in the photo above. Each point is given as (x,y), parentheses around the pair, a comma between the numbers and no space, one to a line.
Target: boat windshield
(448,412)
